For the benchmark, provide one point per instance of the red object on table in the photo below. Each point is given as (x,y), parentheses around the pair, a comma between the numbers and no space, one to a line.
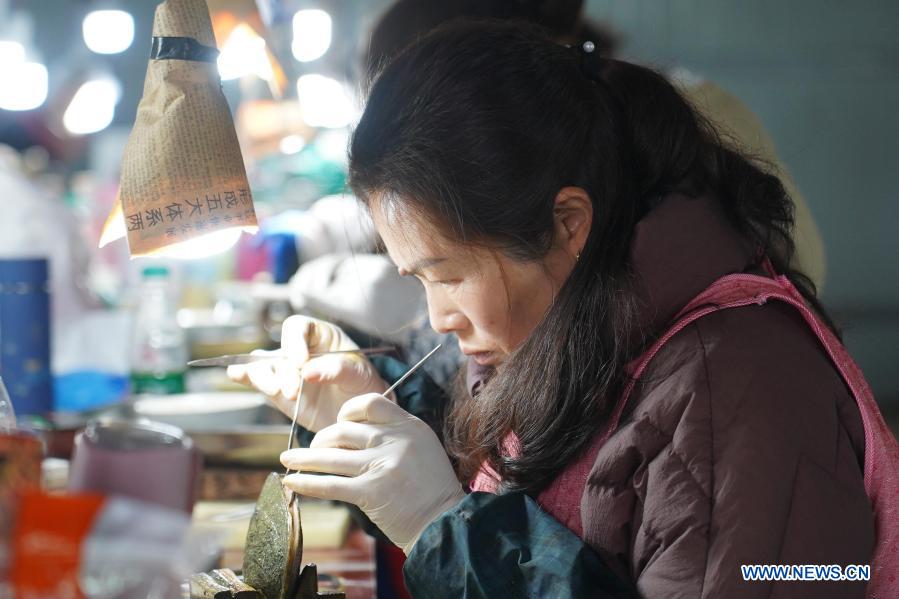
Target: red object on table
(354,564)
(46,545)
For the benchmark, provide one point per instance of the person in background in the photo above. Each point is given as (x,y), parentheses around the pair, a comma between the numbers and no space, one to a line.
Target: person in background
(407,20)
(655,396)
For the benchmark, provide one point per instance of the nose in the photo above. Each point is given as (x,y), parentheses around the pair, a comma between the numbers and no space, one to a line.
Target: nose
(444,315)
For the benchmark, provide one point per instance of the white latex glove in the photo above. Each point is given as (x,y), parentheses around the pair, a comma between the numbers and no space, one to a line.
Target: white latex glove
(386,461)
(328,380)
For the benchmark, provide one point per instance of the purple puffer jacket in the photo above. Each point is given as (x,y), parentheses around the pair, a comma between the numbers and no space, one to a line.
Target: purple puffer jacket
(740,445)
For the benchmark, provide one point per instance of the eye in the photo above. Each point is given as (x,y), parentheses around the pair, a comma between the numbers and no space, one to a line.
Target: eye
(447,283)
(442,283)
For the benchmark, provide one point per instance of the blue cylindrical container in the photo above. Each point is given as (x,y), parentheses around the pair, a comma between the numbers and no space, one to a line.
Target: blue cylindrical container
(25,334)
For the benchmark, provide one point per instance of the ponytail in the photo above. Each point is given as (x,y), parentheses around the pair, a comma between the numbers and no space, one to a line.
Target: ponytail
(669,142)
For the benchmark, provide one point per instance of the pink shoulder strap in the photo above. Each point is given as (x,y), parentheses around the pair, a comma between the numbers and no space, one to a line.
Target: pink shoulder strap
(881,460)
(881,463)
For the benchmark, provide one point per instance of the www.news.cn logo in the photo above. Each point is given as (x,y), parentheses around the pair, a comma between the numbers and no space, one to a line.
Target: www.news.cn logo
(811,572)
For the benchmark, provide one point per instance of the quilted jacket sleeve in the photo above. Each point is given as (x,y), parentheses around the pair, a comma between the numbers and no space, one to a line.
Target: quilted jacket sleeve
(506,546)
(735,454)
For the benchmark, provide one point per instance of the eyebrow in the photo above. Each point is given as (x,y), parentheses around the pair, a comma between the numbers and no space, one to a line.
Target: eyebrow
(417,267)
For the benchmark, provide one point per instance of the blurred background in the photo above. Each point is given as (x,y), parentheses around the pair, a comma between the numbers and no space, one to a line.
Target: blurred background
(90,336)
(822,78)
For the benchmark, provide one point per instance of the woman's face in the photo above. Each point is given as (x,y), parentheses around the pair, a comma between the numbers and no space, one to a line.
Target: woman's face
(490,301)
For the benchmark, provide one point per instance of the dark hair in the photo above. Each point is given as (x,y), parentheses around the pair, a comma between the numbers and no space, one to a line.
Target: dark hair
(476,128)
(408,20)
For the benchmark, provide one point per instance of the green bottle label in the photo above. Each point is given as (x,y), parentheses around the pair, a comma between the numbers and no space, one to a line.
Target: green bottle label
(165,383)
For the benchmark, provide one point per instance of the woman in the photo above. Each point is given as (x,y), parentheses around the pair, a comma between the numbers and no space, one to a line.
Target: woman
(561,211)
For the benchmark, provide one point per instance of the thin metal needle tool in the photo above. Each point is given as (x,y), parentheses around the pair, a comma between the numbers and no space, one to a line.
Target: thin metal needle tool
(293,425)
(411,370)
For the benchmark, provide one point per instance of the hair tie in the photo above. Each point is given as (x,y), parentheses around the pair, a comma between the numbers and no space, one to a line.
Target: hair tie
(589,61)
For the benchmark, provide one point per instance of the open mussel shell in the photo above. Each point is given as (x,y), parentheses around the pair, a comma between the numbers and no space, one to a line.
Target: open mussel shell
(274,545)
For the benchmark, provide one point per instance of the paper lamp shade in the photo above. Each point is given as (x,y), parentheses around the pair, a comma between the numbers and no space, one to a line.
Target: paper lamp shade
(183,175)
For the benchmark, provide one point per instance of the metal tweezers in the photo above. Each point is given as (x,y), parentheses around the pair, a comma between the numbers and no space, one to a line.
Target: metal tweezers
(229,360)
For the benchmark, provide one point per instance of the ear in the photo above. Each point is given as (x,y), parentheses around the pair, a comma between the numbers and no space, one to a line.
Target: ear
(573,218)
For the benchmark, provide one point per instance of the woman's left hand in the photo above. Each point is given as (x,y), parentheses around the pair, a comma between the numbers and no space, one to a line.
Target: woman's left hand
(382,459)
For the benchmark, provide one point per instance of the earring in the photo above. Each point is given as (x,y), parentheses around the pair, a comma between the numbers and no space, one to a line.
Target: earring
(577,256)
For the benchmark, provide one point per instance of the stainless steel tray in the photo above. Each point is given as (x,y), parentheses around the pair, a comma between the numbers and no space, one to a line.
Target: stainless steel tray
(257,444)
(253,445)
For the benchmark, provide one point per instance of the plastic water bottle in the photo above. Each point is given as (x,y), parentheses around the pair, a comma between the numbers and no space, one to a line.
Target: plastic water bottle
(159,348)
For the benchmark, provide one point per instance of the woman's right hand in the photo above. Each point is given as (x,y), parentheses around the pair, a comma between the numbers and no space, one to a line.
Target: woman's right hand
(329,381)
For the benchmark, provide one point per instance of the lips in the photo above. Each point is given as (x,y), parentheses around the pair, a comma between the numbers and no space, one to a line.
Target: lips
(471,352)
(484,358)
